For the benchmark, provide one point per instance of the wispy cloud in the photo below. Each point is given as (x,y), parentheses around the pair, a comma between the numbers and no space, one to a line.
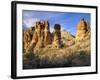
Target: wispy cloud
(51,29)
(30,22)
(67,20)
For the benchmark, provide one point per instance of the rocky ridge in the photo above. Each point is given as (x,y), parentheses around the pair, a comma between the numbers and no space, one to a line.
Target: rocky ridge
(40,36)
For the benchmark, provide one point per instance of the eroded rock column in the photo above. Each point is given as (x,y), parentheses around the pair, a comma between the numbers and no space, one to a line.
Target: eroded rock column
(47,34)
(40,35)
(81,30)
(57,36)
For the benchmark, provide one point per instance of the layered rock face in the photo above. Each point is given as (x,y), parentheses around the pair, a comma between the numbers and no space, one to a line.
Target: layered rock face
(57,36)
(47,34)
(41,36)
(27,37)
(38,36)
(82,31)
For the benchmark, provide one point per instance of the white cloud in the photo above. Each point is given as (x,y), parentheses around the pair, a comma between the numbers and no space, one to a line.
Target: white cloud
(51,29)
(30,22)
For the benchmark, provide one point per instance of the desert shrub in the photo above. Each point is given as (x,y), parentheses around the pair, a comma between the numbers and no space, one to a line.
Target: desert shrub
(63,45)
(31,61)
(50,58)
(82,53)
(81,59)
(45,63)
(29,56)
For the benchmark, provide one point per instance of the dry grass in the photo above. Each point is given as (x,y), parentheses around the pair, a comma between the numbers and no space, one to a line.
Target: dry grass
(75,55)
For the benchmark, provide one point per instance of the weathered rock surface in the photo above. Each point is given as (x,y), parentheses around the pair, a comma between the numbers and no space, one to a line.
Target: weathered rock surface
(82,31)
(40,36)
(57,36)
(47,34)
(67,39)
(27,37)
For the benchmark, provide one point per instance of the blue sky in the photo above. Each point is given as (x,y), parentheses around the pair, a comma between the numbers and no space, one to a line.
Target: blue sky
(67,20)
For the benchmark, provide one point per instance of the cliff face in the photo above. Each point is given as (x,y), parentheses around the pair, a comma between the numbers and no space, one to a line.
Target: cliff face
(41,37)
(27,37)
(47,34)
(57,36)
(82,31)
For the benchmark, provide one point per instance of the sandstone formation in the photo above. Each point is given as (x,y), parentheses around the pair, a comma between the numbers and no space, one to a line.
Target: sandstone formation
(27,37)
(40,36)
(47,34)
(37,39)
(31,31)
(82,30)
(57,36)
(67,38)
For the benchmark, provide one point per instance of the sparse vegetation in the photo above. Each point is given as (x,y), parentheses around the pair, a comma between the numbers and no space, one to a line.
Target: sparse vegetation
(65,57)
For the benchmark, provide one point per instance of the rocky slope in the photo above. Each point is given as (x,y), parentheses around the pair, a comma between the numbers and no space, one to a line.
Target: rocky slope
(67,38)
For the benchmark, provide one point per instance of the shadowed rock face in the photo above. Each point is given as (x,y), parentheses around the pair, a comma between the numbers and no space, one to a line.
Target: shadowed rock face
(82,30)
(57,36)
(31,31)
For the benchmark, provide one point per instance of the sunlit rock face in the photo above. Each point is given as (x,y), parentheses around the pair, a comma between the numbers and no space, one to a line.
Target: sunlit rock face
(82,31)
(37,38)
(41,37)
(47,34)
(57,36)
(27,37)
